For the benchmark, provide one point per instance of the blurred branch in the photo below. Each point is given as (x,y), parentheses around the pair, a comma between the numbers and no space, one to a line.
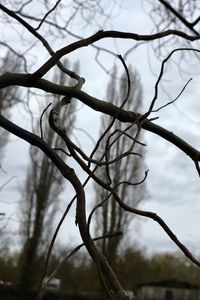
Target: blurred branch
(7,182)
(180,17)
(20,56)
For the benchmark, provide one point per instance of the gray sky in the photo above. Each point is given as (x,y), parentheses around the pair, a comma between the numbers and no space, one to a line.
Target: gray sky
(173,183)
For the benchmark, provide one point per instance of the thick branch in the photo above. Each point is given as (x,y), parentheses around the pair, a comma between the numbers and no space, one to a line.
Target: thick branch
(107,34)
(108,108)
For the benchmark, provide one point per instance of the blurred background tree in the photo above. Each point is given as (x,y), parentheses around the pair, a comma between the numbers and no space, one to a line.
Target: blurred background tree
(8,97)
(110,217)
(40,199)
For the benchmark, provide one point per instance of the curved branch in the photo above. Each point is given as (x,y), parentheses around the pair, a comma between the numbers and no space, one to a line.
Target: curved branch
(106,34)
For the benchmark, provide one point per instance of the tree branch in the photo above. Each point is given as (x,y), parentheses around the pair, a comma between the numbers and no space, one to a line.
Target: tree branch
(102,35)
(180,17)
(108,108)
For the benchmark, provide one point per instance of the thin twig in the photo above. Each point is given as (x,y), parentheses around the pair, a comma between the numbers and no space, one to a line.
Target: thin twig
(132,183)
(60,149)
(153,101)
(174,100)
(41,130)
(46,15)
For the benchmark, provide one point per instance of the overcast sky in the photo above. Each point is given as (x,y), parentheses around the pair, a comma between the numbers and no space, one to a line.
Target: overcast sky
(173,183)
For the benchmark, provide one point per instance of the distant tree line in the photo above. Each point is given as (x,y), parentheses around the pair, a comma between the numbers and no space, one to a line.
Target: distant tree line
(133,265)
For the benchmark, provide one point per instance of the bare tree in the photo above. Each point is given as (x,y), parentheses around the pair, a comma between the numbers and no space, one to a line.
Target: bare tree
(41,194)
(9,97)
(121,145)
(45,25)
